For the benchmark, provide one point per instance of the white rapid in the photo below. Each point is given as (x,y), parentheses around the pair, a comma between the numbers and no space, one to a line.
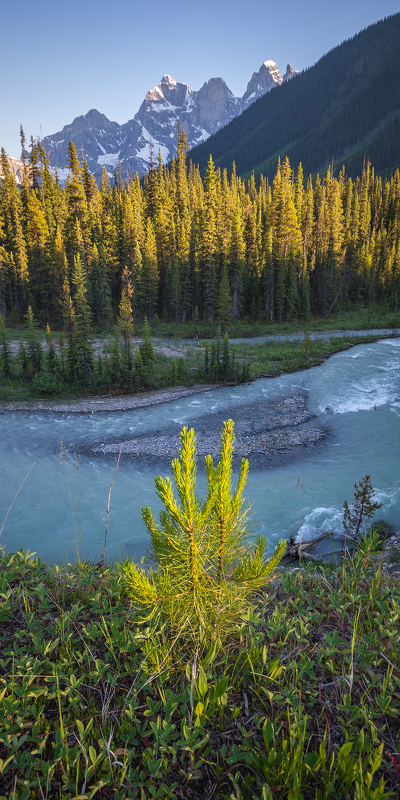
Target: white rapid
(355,394)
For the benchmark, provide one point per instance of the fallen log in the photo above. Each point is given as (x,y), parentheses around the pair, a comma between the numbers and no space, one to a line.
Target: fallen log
(300,549)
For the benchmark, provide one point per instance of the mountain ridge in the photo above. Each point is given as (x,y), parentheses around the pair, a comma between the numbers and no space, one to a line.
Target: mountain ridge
(201,112)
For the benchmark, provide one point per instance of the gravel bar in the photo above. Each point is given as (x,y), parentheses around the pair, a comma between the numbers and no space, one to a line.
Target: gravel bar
(271,432)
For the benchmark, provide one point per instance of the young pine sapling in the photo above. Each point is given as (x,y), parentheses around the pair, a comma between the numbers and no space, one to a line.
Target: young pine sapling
(205,570)
(358,515)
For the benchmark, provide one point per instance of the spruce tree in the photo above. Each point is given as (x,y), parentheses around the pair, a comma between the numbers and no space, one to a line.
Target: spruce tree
(150,275)
(12,213)
(34,351)
(209,290)
(182,193)
(52,362)
(125,324)
(77,222)
(101,286)
(138,369)
(40,275)
(5,351)
(357,517)
(115,364)
(173,291)
(206,359)
(82,349)
(196,322)
(224,300)
(208,243)
(146,352)
(225,357)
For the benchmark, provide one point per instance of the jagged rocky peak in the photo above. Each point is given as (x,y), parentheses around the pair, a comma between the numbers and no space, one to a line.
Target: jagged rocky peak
(169,89)
(269,71)
(290,73)
(93,119)
(261,82)
(216,104)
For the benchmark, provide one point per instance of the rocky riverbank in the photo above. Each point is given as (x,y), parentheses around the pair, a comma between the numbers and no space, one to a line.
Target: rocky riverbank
(91,405)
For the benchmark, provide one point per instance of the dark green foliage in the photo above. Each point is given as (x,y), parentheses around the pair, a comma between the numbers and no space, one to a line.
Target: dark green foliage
(225,360)
(245,376)
(196,323)
(224,300)
(125,321)
(209,290)
(144,362)
(23,360)
(100,287)
(206,358)
(51,358)
(137,370)
(173,291)
(115,364)
(146,348)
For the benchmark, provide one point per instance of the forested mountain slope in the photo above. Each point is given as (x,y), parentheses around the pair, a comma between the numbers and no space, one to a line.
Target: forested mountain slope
(345,107)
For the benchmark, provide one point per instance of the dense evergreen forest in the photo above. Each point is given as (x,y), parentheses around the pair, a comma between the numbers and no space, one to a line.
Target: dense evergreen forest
(345,107)
(80,258)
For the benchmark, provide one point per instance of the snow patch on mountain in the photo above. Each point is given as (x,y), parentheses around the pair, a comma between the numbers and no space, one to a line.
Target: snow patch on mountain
(63,173)
(110,159)
(144,153)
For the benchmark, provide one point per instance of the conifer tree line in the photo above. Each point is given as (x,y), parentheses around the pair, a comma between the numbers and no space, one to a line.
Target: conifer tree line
(176,244)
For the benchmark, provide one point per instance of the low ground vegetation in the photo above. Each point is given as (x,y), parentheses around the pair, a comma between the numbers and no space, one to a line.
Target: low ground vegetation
(302,701)
(120,682)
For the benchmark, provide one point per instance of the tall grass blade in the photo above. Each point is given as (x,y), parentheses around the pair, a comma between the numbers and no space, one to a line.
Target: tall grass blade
(16,495)
(103,555)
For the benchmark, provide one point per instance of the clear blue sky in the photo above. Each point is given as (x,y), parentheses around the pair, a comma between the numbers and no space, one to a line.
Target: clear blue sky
(58,59)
